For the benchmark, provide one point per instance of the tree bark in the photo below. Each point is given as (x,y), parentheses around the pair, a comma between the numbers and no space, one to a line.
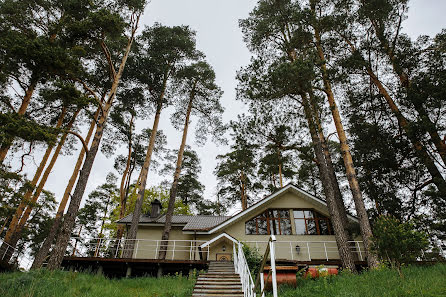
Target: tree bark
(131,235)
(22,109)
(420,149)
(243,190)
(336,219)
(70,217)
(17,234)
(45,248)
(26,198)
(366,230)
(176,178)
(405,81)
(123,189)
(330,167)
(280,169)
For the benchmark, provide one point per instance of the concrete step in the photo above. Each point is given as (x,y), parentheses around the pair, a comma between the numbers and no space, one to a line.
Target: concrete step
(218,287)
(207,294)
(219,281)
(218,291)
(219,276)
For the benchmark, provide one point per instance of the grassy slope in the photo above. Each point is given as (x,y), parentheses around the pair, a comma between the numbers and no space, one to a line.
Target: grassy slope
(417,281)
(58,283)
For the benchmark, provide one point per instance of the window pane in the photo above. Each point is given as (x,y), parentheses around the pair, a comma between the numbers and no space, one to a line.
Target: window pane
(274,227)
(323,227)
(285,227)
(273,213)
(309,214)
(261,224)
(250,227)
(311,227)
(284,214)
(300,226)
(298,214)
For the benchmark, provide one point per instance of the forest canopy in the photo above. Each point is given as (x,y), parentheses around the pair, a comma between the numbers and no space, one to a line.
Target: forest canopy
(339,102)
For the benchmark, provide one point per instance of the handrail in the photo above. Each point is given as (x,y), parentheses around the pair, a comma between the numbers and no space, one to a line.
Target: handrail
(270,249)
(110,247)
(241,267)
(15,257)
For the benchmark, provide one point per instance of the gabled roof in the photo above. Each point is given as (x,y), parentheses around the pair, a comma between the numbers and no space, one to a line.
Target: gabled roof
(216,238)
(211,224)
(270,198)
(191,223)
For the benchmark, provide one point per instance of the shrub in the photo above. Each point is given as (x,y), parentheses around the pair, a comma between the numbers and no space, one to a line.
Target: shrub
(253,259)
(397,242)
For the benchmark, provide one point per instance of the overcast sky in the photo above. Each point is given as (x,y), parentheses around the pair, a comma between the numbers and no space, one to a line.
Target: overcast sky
(218,36)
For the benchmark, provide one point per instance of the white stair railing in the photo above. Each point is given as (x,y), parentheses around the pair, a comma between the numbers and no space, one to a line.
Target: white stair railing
(242,268)
(270,250)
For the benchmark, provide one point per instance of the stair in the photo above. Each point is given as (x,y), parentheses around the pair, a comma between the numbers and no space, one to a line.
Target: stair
(220,280)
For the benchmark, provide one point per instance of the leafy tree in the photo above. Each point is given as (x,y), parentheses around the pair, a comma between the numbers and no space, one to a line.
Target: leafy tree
(161,52)
(190,189)
(111,24)
(397,242)
(295,31)
(235,173)
(197,87)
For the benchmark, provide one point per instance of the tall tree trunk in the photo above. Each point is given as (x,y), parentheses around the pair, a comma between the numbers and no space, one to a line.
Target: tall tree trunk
(280,168)
(366,230)
(176,178)
(22,109)
(243,190)
(69,219)
(131,235)
(330,167)
(429,127)
(45,248)
(26,198)
(420,149)
(336,219)
(17,234)
(123,188)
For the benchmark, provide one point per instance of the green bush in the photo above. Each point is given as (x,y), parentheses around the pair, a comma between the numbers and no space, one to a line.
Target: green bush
(253,259)
(397,242)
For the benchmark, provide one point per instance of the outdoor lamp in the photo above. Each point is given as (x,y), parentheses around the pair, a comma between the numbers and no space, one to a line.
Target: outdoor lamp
(223,248)
(297,249)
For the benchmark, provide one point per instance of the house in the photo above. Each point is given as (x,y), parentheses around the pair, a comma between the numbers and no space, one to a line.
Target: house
(299,220)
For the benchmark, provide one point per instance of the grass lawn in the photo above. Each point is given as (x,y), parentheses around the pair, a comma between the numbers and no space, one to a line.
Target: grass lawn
(417,281)
(63,283)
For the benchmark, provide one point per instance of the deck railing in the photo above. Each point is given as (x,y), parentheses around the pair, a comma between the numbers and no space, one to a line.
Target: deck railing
(143,248)
(309,250)
(15,257)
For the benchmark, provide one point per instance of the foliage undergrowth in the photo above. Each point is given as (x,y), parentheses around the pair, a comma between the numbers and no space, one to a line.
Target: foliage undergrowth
(45,283)
(417,281)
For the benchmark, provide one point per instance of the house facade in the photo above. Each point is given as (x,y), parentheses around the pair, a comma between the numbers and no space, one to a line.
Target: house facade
(299,221)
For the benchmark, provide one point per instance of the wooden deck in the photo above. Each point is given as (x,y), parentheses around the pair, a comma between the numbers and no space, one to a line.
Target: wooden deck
(121,267)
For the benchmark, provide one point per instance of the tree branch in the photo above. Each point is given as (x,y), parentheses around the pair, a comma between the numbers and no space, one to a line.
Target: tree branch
(80,138)
(98,101)
(109,59)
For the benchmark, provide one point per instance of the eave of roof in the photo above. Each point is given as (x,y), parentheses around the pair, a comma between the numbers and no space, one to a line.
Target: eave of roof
(267,199)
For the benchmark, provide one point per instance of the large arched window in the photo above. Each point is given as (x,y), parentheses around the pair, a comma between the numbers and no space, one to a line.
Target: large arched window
(309,222)
(272,221)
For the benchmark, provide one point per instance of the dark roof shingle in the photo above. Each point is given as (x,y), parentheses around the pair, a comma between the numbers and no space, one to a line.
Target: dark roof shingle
(199,222)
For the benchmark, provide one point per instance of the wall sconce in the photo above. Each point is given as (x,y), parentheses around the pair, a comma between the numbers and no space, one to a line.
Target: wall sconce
(298,249)
(223,248)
